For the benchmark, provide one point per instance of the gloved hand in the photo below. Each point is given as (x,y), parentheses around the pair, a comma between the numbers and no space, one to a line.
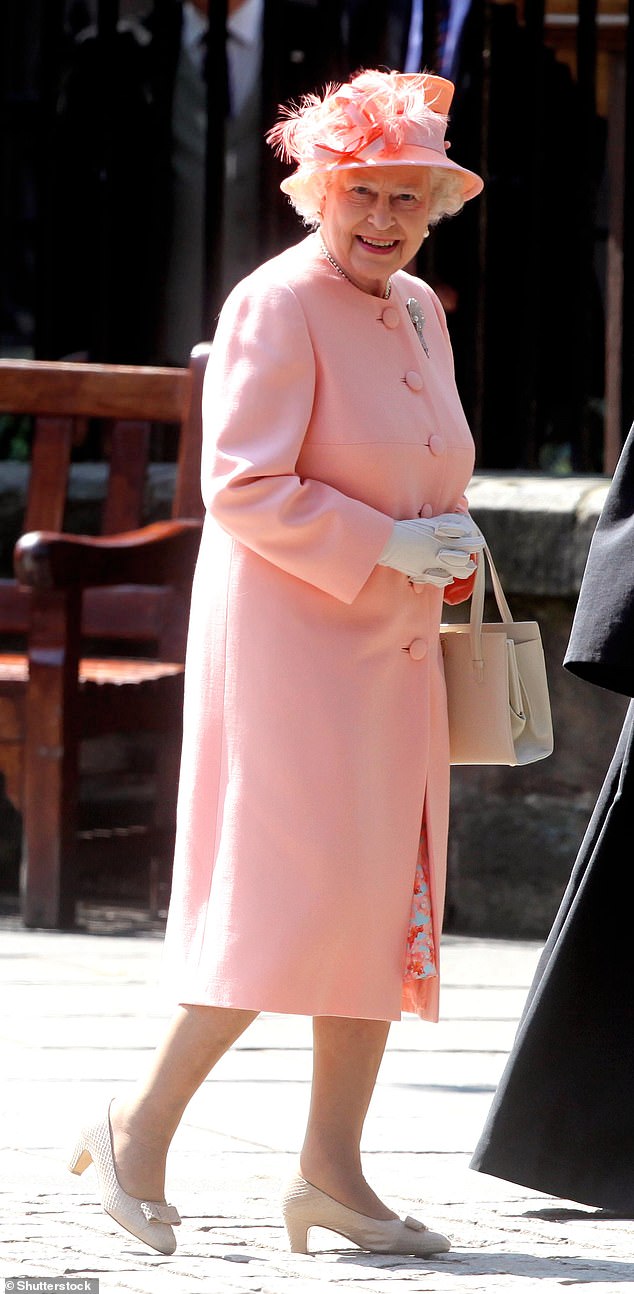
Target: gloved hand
(433,550)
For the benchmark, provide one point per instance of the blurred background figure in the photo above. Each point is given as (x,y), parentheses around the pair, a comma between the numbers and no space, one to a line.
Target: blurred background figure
(182,312)
(132,177)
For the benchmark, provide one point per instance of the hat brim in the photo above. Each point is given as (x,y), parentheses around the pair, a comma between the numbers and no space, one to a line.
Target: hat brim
(411,155)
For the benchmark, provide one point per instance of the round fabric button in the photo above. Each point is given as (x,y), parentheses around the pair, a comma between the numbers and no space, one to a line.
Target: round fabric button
(390,317)
(414,380)
(418,649)
(426,510)
(436,445)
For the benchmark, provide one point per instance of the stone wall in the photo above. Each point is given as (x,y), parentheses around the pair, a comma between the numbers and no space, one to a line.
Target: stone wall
(87,486)
(514,831)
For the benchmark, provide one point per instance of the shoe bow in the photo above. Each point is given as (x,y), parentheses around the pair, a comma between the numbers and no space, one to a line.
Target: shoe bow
(160,1213)
(414,1224)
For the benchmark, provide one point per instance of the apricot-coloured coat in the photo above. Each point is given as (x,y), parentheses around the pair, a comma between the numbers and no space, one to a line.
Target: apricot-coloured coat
(315,730)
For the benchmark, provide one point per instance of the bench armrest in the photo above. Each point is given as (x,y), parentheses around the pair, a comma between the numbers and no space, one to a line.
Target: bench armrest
(162,553)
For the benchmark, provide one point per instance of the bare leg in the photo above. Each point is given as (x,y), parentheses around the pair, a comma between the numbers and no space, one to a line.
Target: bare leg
(143,1125)
(346,1060)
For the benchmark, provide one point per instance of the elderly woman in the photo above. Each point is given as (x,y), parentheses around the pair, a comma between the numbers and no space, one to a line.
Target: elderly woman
(311,844)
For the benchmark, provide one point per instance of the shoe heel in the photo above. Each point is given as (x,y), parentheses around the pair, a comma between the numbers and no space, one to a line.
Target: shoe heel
(297,1235)
(79,1160)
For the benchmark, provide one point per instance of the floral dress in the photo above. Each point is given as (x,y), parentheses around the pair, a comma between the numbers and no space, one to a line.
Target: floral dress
(420,961)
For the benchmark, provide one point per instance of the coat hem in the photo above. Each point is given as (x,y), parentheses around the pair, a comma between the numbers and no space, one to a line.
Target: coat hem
(239,1001)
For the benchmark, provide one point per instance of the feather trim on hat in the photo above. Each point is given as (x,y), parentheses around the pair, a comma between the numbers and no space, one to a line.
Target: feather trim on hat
(375,112)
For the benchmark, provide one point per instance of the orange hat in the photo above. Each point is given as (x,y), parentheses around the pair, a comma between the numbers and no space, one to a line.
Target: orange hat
(377,119)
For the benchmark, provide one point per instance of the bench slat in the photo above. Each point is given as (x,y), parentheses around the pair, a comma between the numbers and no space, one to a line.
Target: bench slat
(48,483)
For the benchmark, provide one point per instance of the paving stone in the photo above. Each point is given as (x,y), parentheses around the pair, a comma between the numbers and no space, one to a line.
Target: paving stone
(80,1017)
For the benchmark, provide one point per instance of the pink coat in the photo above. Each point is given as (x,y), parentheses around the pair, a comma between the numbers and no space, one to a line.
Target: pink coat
(315,731)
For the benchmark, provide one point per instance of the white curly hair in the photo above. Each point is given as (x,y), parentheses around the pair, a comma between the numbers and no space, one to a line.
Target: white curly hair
(310,188)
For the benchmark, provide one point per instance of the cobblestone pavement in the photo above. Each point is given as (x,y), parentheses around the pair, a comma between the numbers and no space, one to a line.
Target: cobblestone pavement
(81,1015)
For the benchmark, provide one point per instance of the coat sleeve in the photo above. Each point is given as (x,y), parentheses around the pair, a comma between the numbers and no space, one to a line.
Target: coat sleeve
(601,645)
(460,590)
(257,402)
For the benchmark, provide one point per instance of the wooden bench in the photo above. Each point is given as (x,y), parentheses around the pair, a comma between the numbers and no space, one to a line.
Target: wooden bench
(93,628)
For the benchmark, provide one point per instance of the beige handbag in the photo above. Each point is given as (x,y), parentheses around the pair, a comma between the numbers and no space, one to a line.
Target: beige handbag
(497,690)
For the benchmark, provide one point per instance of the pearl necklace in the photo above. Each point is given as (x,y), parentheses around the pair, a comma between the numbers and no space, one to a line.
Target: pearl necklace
(337,267)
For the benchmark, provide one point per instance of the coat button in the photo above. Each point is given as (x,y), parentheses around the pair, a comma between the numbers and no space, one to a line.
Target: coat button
(390,317)
(418,649)
(436,445)
(414,380)
(426,510)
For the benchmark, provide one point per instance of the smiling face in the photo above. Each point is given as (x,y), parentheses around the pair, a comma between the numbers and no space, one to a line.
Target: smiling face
(373,221)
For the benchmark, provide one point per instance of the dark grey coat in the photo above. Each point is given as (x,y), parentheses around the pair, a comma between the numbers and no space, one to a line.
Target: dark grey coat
(562,1119)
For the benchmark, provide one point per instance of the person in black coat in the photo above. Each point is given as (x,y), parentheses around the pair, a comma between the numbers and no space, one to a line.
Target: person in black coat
(562,1119)
(110,190)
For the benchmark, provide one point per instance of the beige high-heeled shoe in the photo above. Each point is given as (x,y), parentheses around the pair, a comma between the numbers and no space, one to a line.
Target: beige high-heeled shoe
(305,1206)
(149,1220)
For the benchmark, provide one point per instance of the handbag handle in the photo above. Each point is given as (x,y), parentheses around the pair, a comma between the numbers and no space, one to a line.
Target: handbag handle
(477,606)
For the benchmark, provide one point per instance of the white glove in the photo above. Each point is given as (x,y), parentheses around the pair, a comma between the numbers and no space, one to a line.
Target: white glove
(433,550)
